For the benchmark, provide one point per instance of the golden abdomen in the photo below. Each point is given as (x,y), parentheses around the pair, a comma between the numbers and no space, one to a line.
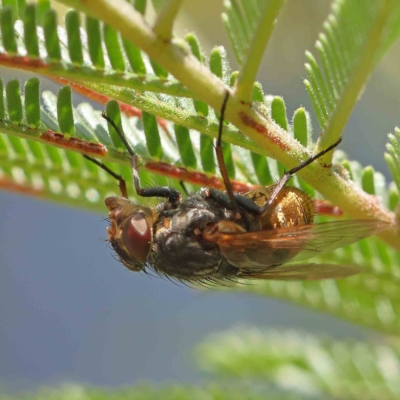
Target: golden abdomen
(292,207)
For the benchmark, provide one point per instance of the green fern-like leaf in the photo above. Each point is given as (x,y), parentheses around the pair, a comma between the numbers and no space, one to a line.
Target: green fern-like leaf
(82,129)
(249,25)
(95,53)
(355,37)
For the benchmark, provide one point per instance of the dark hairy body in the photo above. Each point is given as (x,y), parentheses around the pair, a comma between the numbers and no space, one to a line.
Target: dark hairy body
(179,232)
(216,237)
(181,243)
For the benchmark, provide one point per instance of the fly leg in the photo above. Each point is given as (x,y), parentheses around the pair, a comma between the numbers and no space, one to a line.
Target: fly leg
(220,157)
(121,181)
(282,182)
(170,193)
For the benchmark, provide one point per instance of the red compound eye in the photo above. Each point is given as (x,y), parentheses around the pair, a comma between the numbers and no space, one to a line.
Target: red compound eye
(136,236)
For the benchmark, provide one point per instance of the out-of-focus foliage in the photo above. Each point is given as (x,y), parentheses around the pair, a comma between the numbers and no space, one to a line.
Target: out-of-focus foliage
(306,362)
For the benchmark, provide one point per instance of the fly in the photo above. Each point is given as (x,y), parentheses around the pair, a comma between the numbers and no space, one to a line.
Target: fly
(216,237)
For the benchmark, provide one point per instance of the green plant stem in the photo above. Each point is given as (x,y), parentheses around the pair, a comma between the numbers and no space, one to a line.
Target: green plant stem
(165,19)
(244,84)
(176,58)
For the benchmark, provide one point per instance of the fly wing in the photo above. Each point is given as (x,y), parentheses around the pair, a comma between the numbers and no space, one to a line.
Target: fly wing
(262,249)
(330,236)
(306,272)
